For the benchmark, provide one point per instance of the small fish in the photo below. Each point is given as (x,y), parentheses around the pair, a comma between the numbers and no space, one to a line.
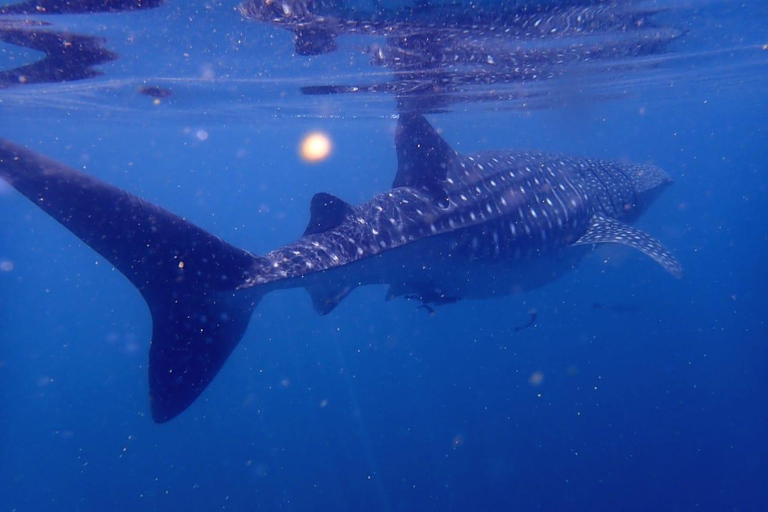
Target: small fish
(532,320)
(153,91)
(429,309)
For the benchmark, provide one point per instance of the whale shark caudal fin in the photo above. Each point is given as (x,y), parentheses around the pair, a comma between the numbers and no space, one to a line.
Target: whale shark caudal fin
(188,277)
(605,230)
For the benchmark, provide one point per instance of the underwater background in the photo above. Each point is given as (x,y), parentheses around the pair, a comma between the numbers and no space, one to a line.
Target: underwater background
(632,391)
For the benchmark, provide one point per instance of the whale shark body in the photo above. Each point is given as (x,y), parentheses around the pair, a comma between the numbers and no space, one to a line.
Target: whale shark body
(452,227)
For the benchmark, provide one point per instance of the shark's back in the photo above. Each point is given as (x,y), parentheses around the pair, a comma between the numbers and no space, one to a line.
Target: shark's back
(498,206)
(614,189)
(508,204)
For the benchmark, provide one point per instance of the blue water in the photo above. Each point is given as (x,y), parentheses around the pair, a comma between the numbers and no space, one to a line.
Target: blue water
(379,406)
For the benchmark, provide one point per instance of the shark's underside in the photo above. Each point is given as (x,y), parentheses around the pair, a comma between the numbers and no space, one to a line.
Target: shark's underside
(452,227)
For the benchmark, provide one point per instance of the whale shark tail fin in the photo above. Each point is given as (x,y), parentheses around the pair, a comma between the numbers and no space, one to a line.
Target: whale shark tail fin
(196,285)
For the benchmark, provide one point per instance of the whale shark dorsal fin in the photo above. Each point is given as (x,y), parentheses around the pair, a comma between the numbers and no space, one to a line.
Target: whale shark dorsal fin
(326,212)
(423,156)
(605,230)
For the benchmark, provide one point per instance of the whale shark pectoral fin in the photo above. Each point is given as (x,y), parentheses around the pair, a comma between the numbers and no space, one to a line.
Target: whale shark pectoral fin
(326,212)
(325,298)
(605,230)
(423,156)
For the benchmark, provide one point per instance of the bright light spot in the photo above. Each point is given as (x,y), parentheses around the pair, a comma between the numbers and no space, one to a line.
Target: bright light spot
(201,135)
(315,147)
(6,265)
(536,378)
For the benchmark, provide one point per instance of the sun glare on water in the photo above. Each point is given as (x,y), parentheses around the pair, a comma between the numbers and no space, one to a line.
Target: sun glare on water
(315,147)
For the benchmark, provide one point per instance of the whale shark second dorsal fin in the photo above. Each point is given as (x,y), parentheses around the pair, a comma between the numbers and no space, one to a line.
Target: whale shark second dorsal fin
(423,156)
(326,297)
(326,212)
(605,230)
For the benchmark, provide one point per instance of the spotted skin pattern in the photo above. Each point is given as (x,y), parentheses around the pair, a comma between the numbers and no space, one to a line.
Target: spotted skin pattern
(605,230)
(455,227)
(495,207)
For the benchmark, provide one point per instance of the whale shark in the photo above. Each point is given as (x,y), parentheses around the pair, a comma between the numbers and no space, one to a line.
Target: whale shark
(442,53)
(452,227)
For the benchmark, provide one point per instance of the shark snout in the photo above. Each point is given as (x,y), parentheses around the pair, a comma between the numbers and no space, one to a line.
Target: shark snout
(648,178)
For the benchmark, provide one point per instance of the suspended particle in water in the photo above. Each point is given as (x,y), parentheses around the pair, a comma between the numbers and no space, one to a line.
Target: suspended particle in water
(536,378)
(315,147)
